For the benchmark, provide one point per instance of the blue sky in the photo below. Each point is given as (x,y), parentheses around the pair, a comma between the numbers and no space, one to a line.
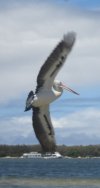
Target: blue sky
(29,31)
(85,3)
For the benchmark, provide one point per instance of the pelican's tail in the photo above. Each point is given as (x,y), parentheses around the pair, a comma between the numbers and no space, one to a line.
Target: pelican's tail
(29,101)
(31,94)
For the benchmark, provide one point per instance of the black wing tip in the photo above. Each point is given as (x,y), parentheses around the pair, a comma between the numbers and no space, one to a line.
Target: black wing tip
(69,38)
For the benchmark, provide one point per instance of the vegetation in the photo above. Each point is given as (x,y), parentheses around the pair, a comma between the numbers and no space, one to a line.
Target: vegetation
(80,151)
(70,151)
(17,150)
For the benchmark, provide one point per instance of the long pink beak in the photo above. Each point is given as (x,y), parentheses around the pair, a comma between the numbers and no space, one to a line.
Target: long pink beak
(68,89)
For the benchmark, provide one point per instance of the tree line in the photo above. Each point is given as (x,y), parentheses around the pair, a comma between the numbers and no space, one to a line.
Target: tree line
(80,151)
(70,151)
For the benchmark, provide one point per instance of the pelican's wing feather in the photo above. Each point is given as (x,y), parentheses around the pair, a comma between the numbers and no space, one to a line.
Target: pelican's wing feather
(54,62)
(43,128)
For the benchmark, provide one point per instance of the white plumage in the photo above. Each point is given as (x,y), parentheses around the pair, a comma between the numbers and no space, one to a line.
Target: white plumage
(47,91)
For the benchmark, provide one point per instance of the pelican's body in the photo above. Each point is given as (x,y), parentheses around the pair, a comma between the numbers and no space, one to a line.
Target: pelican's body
(48,91)
(45,97)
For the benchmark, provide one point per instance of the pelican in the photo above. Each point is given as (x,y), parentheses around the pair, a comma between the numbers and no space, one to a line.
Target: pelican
(48,90)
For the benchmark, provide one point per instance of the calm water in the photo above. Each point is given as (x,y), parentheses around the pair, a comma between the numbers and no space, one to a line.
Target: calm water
(53,173)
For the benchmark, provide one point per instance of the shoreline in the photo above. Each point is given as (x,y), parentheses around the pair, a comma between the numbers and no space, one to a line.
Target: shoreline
(64,157)
(16,151)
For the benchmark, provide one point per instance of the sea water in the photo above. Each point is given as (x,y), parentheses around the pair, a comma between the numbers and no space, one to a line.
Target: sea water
(50,173)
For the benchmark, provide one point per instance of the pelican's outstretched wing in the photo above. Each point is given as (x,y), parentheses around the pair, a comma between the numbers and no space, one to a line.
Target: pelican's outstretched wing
(43,128)
(54,62)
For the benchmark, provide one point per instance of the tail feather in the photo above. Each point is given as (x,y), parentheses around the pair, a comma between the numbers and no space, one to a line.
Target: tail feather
(28,101)
(31,93)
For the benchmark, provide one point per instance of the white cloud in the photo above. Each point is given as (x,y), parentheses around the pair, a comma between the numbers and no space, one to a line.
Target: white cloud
(29,33)
(17,130)
(80,120)
(81,127)
(77,128)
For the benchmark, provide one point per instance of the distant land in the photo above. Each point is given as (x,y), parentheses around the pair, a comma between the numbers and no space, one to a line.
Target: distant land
(70,151)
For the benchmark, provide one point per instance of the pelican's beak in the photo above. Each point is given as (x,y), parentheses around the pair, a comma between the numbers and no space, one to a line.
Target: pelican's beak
(68,89)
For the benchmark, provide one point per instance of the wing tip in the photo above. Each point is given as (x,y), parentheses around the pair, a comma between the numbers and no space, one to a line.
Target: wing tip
(69,38)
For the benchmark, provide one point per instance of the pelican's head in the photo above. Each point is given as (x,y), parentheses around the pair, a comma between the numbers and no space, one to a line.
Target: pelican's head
(59,86)
(29,101)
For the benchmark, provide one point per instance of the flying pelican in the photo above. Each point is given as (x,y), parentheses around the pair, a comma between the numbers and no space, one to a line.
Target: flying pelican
(47,91)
